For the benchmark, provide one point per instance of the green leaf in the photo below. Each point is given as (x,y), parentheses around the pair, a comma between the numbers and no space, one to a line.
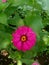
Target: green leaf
(40,45)
(30,54)
(44,5)
(21,2)
(14,54)
(16,20)
(3,18)
(11,10)
(46,40)
(11,64)
(34,21)
(3,6)
(27,61)
(6,29)
(5,40)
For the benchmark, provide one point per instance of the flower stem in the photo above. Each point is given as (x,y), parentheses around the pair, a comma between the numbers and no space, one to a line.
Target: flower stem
(19,62)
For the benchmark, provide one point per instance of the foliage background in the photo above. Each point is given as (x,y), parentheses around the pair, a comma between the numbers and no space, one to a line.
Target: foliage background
(33,13)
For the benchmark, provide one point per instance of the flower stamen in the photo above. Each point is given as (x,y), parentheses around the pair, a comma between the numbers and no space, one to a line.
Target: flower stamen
(23,38)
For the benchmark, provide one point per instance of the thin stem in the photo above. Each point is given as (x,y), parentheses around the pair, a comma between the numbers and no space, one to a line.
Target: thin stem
(19,62)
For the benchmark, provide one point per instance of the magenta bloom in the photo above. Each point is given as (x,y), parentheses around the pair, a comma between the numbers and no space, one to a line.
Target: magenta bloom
(24,38)
(4,0)
(35,63)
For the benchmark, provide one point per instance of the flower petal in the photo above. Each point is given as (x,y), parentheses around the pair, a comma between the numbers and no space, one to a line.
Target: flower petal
(25,47)
(18,45)
(31,37)
(4,0)
(29,43)
(22,30)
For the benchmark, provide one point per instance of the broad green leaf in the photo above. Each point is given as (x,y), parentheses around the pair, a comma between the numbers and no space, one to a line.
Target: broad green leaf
(3,6)
(2,27)
(14,54)
(44,4)
(46,40)
(6,29)
(16,20)
(3,18)
(11,10)
(40,45)
(30,54)
(34,21)
(10,1)
(21,2)
(37,5)
(5,40)
(27,61)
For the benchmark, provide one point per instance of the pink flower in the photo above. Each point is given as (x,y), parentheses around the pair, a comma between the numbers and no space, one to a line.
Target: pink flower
(24,38)
(35,63)
(4,0)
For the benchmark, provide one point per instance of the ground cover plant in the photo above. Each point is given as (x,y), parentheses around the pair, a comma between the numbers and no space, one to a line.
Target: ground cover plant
(24,32)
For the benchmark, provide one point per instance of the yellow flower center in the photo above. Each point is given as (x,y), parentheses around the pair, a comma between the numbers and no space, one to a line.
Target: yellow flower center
(23,38)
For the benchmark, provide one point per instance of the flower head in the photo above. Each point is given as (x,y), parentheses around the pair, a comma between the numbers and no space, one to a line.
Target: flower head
(4,0)
(24,38)
(35,63)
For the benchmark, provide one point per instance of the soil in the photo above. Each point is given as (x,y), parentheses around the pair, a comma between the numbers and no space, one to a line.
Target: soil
(43,59)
